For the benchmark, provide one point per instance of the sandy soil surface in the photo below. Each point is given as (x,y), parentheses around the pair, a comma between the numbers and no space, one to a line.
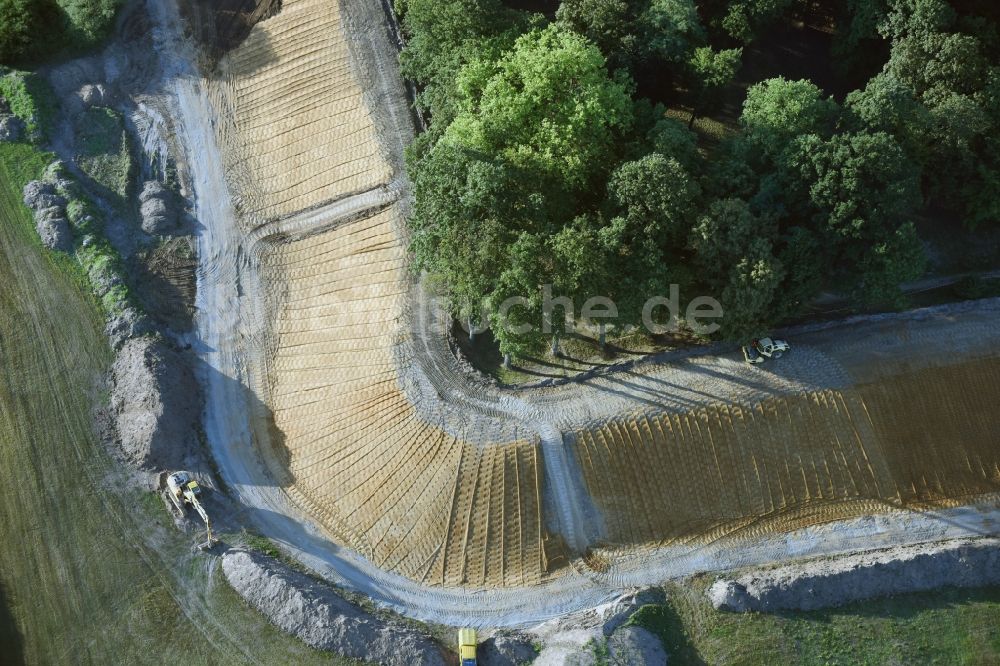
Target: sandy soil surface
(378,474)
(293,117)
(236,342)
(925,435)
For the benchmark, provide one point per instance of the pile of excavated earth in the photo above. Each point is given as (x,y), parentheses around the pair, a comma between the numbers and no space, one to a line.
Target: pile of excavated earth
(342,421)
(322,619)
(157,404)
(155,401)
(826,583)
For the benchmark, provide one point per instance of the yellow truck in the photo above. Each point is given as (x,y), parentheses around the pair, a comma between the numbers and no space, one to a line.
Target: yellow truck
(467,646)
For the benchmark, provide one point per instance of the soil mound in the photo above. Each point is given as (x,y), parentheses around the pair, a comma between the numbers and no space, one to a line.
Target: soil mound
(316,615)
(159,215)
(637,646)
(828,583)
(155,402)
(49,210)
(507,648)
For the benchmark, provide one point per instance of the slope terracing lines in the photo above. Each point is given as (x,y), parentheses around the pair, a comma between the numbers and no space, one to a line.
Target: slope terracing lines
(368,423)
(440,495)
(297,128)
(878,419)
(438,507)
(797,460)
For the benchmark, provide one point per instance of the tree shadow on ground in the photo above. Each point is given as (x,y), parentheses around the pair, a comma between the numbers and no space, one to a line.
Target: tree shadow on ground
(667,624)
(222,25)
(10,636)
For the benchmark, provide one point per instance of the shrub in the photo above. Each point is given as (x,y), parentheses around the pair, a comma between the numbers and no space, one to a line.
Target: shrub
(30,99)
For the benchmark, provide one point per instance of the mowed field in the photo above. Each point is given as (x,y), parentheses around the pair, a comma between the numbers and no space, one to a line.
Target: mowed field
(385,480)
(90,571)
(299,133)
(926,438)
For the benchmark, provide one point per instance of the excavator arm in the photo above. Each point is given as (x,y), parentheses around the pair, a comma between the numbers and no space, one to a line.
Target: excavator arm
(193,501)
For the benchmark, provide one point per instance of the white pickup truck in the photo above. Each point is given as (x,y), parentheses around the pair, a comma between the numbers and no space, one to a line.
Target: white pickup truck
(770,348)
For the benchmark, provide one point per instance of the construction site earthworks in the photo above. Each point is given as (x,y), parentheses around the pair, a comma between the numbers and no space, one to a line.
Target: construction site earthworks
(332,412)
(341,418)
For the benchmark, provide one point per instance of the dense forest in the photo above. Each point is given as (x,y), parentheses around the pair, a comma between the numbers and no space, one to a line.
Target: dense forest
(35,30)
(560,151)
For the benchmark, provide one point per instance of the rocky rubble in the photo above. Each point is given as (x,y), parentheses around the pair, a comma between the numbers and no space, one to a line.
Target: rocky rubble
(572,642)
(48,199)
(507,648)
(637,647)
(315,614)
(157,209)
(126,324)
(94,94)
(828,583)
(49,210)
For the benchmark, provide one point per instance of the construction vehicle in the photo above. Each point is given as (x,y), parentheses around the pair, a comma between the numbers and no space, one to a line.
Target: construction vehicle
(467,646)
(183,491)
(751,355)
(771,348)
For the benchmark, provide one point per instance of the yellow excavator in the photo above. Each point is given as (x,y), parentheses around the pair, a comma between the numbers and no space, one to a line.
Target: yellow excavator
(183,490)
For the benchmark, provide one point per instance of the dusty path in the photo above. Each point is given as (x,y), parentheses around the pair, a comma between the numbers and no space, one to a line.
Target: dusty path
(229,328)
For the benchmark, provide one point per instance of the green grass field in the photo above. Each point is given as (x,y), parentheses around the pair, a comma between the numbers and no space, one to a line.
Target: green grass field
(80,580)
(944,627)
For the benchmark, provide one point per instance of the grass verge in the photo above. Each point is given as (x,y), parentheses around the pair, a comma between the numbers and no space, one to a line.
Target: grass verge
(90,571)
(944,627)
(104,151)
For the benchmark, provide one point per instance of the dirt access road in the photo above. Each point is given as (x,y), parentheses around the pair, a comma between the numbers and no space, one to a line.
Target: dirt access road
(229,330)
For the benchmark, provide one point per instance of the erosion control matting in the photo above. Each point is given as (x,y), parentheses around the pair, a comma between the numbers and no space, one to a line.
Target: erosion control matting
(396,487)
(298,130)
(912,440)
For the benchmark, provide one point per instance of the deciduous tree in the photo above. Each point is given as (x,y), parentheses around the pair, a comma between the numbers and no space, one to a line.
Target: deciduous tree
(709,72)
(862,185)
(548,105)
(672,29)
(897,259)
(777,111)
(734,253)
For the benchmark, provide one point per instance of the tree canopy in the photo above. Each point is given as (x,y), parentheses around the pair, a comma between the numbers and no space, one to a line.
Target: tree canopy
(777,111)
(32,29)
(630,32)
(547,105)
(546,168)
